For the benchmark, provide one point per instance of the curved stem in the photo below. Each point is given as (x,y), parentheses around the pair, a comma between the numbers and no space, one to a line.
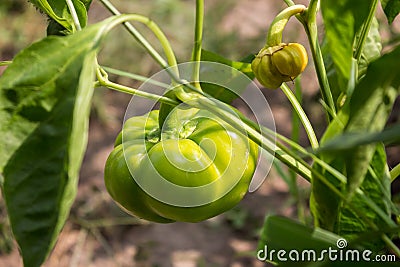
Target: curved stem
(302,115)
(136,77)
(278,24)
(74,15)
(312,33)
(198,37)
(103,81)
(171,59)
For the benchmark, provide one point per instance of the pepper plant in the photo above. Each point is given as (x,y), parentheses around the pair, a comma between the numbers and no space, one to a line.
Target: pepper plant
(197,137)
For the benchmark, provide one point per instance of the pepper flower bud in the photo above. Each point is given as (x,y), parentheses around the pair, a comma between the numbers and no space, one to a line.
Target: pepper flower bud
(281,63)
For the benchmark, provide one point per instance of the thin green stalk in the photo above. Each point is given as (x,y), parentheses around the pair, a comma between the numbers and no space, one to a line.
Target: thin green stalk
(103,81)
(302,115)
(5,63)
(136,77)
(171,59)
(365,30)
(198,38)
(309,21)
(289,2)
(312,33)
(295,136)
(274,36)
(74,15)
(392,246)
(395,172)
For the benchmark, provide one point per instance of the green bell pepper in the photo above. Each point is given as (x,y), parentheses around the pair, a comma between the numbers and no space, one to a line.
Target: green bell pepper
(196,166)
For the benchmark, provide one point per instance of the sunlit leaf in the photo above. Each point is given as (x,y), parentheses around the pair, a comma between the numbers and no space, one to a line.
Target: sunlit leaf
(343,19)
(45,96)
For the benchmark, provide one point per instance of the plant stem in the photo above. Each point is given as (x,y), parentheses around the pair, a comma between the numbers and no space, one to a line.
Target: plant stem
(295,136)
(171,60)
(198,38)
(136,77)
(5,63)
(289,2)
(391,245)
(103,81)
(302,115)
(312,33)
(74,15)
(395,172)
(278,24)
(365,30)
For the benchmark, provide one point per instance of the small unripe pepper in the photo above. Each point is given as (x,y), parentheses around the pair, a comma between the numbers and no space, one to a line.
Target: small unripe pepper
(281,63)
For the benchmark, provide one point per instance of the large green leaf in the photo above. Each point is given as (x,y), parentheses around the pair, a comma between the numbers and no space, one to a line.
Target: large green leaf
(289,243)
(370,52)
(391,9)
(365,112)
(45,98)
(343,19)
(369,109)
(59,13)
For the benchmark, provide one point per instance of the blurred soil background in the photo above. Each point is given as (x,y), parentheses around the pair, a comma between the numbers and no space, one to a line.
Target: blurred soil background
(97,232)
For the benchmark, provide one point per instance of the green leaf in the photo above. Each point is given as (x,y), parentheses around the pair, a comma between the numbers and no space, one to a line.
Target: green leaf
(348,141)
(376,186)
(370,107)
(365,112)
(343,19)
(391,9)
(372,48)
(227,79)
(60,16)
(45,98)
(280,233)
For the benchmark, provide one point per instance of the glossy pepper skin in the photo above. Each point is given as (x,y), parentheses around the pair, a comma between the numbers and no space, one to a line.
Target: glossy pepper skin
(192,152)
(277,64)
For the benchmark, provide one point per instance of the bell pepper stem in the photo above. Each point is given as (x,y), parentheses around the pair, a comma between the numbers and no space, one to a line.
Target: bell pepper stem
(310,18)
(302,115)
(198,38)
(278,24)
